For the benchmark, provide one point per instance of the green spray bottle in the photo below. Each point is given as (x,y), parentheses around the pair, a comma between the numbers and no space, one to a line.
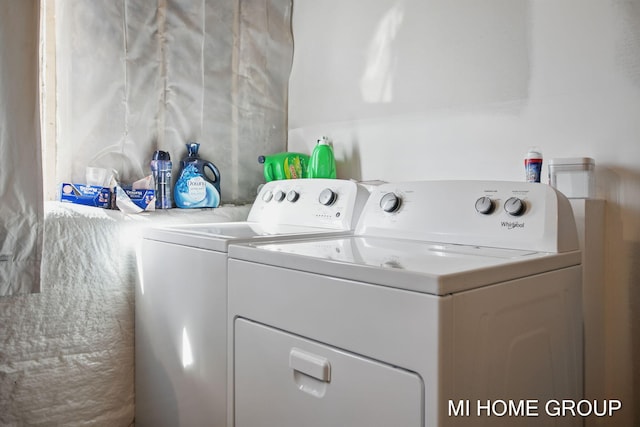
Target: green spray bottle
(322,163)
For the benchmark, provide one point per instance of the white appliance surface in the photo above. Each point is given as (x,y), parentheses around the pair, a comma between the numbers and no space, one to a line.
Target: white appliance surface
(286,208)
(436,268)
(217,237)
(473,286)
(181,301)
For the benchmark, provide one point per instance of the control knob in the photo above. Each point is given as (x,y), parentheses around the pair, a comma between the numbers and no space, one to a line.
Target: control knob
(327,197)
(390,202)
(267,196)
(293,196)
(485,205)
(279,196)
(514,206)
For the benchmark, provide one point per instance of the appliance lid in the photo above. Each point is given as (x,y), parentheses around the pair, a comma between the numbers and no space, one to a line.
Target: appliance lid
(427,267)
(217,236)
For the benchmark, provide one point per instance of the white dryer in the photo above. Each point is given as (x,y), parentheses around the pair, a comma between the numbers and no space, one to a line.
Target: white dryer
(181,302)
(450,295)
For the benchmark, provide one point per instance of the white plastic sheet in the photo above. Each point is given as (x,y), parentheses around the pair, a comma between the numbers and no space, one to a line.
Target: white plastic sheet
(138,75)
(21,207)
(67,354)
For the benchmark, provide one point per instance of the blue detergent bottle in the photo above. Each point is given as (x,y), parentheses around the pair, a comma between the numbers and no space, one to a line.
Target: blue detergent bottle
(198,184)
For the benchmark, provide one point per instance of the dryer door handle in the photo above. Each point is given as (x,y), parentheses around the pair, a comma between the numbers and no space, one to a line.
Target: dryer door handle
(310,364)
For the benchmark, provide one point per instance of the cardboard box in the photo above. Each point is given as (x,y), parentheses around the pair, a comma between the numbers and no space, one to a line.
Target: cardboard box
(145,199)
(88,195)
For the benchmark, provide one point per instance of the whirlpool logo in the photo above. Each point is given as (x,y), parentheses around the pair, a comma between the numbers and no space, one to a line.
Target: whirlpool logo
(510,225)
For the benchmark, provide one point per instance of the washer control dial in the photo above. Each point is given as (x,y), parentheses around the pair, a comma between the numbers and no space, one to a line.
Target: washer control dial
(267,196)
(485,205)
(279,196)
(390,202)
(293,196)
(327,197)
(514,206)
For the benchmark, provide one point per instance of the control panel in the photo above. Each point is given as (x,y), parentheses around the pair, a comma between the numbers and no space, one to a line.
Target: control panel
(501,214)
(329,203)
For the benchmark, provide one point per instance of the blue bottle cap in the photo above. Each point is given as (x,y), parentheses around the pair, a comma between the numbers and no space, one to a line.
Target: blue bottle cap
(192,149)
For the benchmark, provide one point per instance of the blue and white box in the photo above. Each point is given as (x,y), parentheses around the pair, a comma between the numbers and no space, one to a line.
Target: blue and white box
(82,194)
(144,198)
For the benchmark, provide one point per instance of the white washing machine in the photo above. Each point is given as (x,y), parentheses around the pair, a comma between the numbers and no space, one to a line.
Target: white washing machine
(450,296)
(181,303)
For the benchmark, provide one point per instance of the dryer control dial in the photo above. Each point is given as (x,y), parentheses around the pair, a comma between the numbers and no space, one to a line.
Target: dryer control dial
(390,202)
(514,206)
(293,196)
(327,197)
(485,205)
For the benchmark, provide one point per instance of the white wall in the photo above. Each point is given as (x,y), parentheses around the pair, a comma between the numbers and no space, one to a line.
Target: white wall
(437,89)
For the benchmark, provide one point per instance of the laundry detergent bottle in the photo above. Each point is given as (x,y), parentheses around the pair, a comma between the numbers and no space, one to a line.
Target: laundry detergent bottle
(285,165)
(198,183)
(322,163)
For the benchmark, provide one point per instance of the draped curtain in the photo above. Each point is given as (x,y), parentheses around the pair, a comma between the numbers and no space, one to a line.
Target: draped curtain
(21,205)
(134,76)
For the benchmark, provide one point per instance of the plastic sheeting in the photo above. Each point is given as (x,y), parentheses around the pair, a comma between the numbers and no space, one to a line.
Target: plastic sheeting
(21,215)
(134,76)
(67,354)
